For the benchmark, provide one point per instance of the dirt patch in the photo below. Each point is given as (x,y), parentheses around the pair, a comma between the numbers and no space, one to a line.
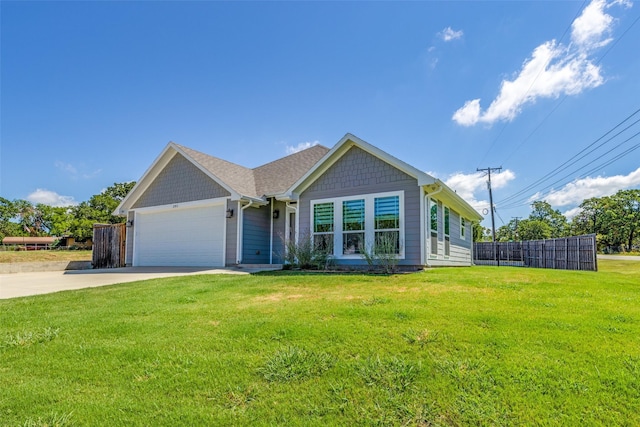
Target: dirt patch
(279,296)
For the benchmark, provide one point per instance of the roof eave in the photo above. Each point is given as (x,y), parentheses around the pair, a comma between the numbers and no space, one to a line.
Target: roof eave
(458,202)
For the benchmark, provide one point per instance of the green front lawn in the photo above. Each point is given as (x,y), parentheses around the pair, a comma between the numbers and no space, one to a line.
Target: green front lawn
(450,346)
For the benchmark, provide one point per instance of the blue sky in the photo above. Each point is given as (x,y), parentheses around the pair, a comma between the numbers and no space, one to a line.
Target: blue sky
(93,91)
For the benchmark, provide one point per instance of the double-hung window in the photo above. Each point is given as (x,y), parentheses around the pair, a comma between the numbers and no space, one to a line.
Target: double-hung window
(323,227)
(463,225)
(353,226)
(387,224)
(348,226)
(433,225)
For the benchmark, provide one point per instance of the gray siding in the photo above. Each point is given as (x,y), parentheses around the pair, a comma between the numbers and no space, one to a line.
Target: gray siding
(279,232)
(255,235)
(460,250)
(232,235)
(180,181)
(358,172)
(128,257)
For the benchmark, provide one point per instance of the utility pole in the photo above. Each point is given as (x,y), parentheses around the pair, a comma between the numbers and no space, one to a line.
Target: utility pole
(493,221)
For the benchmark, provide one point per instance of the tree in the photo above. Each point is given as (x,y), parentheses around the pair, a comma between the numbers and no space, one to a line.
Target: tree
(480,233)
(99,209)
(56,219)
(8,216)
(624,216)
(615,219)
(508,232)
(533,229)
(558,224)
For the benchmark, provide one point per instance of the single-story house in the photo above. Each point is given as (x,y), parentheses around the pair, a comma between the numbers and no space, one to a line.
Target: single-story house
(192,209)
(29,242)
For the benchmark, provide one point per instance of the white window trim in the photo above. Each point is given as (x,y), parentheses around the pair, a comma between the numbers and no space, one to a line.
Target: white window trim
(463,225)
(446,208)
(434,202)
(369,220)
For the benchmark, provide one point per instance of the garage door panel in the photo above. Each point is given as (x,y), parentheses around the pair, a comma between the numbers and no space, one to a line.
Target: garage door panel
(181,237)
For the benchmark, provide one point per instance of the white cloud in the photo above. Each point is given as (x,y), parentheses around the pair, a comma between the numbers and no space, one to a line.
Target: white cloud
(572,212)
(66,167)
(469,114)
(302,146)
(449,34)
(472,187)
(50,198)
(552,70)
(92,174)
(594,23)
(575,192)
(74,172)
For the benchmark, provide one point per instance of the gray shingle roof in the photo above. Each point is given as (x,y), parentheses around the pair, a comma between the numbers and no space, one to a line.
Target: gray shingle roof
(276,177)
(266,180)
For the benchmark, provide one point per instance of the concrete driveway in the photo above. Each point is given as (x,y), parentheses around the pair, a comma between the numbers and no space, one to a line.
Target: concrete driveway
(24,284)
(620,257)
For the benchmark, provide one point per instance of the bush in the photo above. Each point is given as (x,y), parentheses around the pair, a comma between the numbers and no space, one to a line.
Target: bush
(304,254)
(384,253)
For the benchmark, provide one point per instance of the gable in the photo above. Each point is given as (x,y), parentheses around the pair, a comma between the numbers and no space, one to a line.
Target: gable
(277,176)
(356,169)
(179,181)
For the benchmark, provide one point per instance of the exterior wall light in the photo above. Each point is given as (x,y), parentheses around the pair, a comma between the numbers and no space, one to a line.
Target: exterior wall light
(229,213)
(276,214)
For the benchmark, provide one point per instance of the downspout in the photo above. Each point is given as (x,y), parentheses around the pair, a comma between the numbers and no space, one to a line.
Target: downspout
(239,236)
(427,209)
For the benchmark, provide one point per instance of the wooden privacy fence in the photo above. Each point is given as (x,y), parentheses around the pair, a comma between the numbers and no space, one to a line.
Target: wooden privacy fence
(108,245)
(565,253)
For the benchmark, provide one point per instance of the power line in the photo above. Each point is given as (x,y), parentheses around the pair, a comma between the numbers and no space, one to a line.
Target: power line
(544,67)
(571,160)
(624,33)
(599,166)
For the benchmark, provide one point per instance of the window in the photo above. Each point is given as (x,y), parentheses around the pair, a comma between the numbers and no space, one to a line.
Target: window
(447,237)
(346,226)
(463,224)
(323,226)
(433,212)
(387,224)
(353,226)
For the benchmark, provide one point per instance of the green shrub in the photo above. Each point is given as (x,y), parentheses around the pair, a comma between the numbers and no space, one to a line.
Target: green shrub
(306,255)
(384,253)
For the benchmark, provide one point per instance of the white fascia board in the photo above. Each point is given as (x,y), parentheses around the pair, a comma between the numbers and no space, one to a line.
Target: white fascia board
(256,201)
(147,178)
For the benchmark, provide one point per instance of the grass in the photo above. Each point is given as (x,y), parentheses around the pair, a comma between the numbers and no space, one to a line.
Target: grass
(465,346)
(43,256)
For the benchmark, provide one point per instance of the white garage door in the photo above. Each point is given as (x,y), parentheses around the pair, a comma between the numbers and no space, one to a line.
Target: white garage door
(192,237)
